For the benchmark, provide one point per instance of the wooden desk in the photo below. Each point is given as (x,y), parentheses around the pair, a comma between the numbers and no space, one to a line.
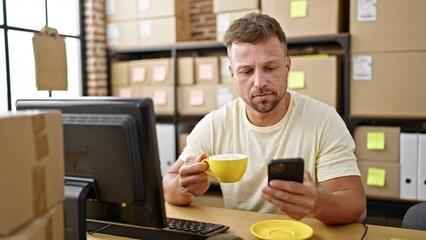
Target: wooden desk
(240,222)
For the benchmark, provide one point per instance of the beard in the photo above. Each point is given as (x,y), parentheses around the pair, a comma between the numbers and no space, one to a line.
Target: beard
(265,105)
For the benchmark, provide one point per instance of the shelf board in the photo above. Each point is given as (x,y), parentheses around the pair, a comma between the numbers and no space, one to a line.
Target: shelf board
(341,38)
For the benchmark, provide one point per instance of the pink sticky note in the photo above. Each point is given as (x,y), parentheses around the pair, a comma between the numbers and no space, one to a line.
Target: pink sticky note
(205,72)
(159,73)
(196,98)
(125,92)
(138,74)
(160,97)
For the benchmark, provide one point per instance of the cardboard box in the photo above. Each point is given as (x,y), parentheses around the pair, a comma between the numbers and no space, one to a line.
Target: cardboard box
(49,226)
(377,143)
(196,100)
(165,30)
(317,76)
(162,8)
(162,97)
(122,34)
(380,179)
(125,92)
(220,6)
(207,70)
(120,74)
(201,99)
(116,10)
(160,71)
(390,25)
(186,71)
(224,19)
(31,166)
(306,18)
(139,71)
(388,85)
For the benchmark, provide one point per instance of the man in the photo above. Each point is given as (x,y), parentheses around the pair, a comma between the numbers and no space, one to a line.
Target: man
(269,122)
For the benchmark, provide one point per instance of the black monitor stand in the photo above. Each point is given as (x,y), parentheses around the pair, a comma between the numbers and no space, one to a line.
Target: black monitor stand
(76,192)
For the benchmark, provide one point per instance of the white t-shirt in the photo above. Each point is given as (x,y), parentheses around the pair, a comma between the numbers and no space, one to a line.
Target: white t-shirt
(310,129)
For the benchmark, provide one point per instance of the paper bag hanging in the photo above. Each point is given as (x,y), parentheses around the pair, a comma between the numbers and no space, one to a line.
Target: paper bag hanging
(50,60)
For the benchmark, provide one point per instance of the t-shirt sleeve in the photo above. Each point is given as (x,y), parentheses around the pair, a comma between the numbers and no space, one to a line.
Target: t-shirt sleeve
(337,157)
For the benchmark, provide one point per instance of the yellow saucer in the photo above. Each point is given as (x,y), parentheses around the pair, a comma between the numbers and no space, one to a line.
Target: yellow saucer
(281,229)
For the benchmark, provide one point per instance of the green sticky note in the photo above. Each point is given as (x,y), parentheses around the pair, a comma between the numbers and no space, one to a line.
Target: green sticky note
(375,141)
(376,177)
(298,8)
(296,80)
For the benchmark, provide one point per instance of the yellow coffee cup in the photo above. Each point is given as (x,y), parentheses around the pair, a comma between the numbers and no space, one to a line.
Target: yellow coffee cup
(227,168)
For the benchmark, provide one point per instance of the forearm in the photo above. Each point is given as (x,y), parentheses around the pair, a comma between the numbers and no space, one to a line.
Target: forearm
(173,191)
(340,207)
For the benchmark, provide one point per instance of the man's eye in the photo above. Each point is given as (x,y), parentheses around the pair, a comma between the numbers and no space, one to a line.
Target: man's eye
(268,69)
(245,72)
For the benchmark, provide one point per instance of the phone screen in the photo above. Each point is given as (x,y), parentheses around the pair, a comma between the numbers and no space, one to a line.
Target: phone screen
(290,169)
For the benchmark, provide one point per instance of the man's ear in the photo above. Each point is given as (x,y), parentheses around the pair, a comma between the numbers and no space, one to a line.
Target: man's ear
(288,63)
(231,71)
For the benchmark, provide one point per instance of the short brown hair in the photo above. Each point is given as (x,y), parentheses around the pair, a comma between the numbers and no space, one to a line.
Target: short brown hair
(254,28)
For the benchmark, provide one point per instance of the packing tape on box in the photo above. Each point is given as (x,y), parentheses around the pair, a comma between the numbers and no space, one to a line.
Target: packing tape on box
(39,171)
(49,228)
(39,189)
(39,123)
(41,140)
(42,146)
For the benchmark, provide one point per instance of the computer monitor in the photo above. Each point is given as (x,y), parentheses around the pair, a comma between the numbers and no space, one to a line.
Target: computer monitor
(112,165)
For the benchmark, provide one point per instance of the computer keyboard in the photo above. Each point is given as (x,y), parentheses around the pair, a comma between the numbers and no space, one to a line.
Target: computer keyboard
(200,230)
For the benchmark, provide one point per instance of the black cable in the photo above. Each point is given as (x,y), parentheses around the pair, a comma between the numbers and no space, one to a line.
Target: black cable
(365,230)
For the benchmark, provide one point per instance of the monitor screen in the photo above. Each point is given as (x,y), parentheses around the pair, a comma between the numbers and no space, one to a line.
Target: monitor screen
(111,159)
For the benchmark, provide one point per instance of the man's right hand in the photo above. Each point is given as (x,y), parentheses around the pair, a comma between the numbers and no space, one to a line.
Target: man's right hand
(185,180)
(192,178)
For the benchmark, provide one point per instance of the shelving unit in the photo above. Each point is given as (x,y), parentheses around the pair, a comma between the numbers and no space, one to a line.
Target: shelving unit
(337,44)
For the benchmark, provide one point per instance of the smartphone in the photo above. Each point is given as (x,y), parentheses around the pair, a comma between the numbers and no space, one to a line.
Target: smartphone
(289,169)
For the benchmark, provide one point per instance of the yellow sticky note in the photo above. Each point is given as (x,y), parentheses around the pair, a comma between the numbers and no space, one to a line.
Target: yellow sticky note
(298,8)
(376,177)
(375,141)
(296,80)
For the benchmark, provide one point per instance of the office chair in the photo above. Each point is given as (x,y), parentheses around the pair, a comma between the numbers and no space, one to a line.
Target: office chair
(415,217)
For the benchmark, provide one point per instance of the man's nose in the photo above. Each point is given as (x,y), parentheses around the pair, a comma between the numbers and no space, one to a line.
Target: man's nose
(259,79)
